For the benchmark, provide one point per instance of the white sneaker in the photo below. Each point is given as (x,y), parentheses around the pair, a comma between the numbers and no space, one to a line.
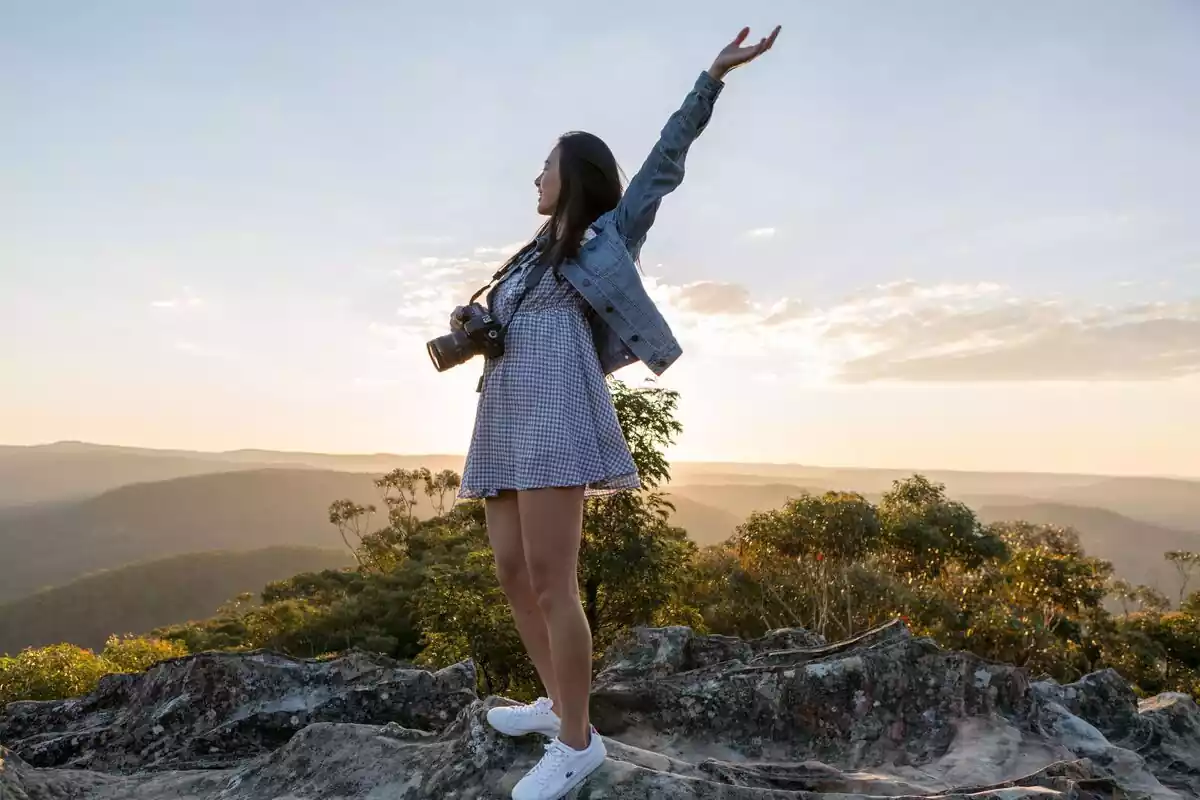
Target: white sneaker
(536,717)
(561,769)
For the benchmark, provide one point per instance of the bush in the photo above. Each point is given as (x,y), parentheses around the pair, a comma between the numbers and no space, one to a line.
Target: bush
(64,670)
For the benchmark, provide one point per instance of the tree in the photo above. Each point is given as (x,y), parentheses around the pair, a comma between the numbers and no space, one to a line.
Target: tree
(927,531)
(1146,598)
(1042,607)
(631,558)
(1187,564)
(804,554)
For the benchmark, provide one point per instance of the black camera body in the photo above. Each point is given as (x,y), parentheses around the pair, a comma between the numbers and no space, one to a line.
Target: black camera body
(479,333)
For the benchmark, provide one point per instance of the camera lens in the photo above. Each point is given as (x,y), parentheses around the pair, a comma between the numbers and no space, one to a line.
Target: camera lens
(450,350)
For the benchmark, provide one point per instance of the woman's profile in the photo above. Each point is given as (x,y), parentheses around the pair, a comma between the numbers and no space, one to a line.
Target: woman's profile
(546,433)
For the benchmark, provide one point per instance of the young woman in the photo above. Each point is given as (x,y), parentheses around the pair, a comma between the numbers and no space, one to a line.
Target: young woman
(546,434)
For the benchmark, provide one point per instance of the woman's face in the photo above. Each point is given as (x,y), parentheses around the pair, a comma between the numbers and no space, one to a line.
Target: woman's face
(548,185)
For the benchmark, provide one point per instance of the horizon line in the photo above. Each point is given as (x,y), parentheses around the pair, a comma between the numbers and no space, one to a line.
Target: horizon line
(62,443)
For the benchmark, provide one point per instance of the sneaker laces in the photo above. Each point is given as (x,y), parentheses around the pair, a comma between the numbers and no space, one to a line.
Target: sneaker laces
(543,705)
(556,753)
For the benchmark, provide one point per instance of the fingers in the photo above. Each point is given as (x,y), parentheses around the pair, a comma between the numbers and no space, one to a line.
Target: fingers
(764,44)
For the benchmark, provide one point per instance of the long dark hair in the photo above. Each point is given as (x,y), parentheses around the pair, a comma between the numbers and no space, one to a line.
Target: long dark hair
(590,185)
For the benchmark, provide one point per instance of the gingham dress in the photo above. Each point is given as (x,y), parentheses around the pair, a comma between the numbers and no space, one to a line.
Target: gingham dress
(545,417)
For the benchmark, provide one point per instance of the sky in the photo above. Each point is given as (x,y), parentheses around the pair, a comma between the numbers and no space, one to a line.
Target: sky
(929,234)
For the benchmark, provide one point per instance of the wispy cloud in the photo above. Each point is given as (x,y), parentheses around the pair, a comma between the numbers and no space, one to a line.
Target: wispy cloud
(503,251)
(1015,339)
(899,331)
(713,297)
(760,233)
(947,332)
(187,299)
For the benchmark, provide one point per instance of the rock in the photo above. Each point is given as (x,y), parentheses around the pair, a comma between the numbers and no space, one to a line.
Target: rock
(217,709)
(686,717)
(1161,733)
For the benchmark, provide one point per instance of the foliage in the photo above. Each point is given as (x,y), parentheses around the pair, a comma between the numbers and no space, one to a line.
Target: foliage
(147,594)
(65,670)
(1016,592)
(136,653)
(425,588)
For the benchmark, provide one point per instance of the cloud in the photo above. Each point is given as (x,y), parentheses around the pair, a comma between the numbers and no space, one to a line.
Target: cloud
(983,333)
(503,251)
(188,299)
(424,293)
(786,310)
(902,331)
(760,233)
(713,297)
(434,261)
(906,331)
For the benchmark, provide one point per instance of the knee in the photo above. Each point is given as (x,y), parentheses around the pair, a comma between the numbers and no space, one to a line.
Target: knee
(513,575)
(552,589)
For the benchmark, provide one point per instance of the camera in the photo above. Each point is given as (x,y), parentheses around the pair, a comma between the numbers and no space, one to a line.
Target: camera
(478,333)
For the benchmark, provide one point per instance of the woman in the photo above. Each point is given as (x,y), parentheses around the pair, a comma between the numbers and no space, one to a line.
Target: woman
(546,434)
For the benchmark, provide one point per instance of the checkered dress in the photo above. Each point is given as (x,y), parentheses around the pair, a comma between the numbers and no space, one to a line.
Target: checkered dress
(545,416)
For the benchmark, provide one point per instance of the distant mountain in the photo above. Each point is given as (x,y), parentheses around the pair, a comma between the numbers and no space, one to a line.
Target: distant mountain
(67,471)
(139,597)
(875,481)
(246,510)
(156,503)
(74,470)
(37,476)
(1135,548)
(711,512)
(1165,501)
(704,524)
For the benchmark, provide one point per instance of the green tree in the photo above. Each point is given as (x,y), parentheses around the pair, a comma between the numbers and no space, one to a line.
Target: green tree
(1042,607)
(631,562)
(927,531)
(631,558)
(803,561)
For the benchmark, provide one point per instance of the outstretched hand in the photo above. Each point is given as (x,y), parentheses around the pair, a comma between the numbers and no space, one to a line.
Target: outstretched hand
(734,55)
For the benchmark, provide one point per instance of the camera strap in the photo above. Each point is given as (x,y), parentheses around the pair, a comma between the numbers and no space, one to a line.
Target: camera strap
(532,278)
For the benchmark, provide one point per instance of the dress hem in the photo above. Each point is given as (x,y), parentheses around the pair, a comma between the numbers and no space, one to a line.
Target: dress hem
(600,488)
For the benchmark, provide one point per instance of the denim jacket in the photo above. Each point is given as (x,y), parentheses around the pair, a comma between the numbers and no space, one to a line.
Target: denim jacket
(626,325)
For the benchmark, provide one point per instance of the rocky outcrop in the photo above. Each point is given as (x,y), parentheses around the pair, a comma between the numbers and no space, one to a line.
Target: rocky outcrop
(684,716)
(218,709)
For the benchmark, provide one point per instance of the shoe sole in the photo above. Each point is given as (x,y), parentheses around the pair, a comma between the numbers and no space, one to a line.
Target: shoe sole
(520,731)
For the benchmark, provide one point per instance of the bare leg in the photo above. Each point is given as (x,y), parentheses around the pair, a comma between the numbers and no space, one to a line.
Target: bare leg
(551,526)
(504,532)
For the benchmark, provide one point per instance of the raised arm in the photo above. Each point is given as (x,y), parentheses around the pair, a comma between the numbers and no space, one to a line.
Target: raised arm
(663,168)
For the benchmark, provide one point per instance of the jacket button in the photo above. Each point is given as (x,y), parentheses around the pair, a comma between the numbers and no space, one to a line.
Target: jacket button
(635,338)
(587,282)
(609,309)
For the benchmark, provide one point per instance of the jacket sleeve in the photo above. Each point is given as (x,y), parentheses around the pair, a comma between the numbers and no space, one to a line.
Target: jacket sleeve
(663,168)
